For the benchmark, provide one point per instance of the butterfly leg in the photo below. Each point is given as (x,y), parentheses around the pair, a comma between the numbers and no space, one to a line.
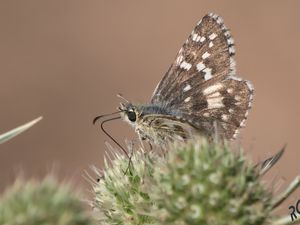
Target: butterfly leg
(148,142)
(130,157)
(143,138)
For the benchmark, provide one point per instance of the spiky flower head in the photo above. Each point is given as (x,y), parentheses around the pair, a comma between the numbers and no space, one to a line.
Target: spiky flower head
(193,183)
(37,203)
(122,192)
(208,183)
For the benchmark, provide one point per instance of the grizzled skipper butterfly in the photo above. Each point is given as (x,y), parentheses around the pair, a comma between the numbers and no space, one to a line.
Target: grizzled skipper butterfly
(199,95)
(200,88)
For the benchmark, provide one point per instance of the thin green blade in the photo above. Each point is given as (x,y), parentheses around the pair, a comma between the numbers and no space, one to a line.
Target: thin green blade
(14,132)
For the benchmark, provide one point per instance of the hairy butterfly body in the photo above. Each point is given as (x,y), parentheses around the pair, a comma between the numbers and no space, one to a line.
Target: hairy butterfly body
(199,90)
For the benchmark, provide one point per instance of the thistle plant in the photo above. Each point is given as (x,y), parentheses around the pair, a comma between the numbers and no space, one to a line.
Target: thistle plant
(193,183)
(37,203)
(40,203)
(122,192)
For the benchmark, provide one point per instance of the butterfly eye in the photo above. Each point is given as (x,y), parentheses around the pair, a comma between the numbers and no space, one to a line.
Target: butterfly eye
(131,116)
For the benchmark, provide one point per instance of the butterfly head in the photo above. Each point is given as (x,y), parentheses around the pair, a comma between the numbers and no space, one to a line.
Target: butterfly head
(130,112)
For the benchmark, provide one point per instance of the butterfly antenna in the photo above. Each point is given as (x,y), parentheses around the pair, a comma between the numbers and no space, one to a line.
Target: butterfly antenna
(130,160)
(122,97)
(108,135)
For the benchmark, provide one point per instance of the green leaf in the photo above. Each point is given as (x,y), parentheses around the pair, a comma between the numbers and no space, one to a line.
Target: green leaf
(14,132)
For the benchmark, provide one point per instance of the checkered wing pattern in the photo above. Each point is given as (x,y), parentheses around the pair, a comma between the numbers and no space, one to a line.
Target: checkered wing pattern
(202,86)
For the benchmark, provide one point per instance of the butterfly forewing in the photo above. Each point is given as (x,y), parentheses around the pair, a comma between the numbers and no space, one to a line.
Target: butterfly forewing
(207,54)
(201,85)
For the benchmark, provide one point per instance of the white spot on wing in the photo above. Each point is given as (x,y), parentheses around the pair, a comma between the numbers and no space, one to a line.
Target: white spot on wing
(220,20)
(250,86)
(207,75)
(230,41)
(199,22)
(179,59)
(232,66)
(225,117)
(211,44)
(229,90)
(202,39)
(187,88)
(213,15)
(243,123)
(227,34)
(212,88)
(187,99)
(231,110)
(205,55)
(251,97)
(231,50)
(185,65)
(237,98)
(212,36)
(235,78)
(235,133)
(214,95)
(200,66)
(214,103)
(206,114)
(195,37)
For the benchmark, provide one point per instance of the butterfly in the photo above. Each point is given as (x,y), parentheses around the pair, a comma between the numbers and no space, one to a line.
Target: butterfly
(199,95)
(199,91)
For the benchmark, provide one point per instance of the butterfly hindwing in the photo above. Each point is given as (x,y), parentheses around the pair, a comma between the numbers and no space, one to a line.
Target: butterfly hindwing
(160,128)
(226,102)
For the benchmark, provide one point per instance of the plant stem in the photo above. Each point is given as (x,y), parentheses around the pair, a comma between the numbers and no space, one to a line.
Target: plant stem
(286,221)
(291,188)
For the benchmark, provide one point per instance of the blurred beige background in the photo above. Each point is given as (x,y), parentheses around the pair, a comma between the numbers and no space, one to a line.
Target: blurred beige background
(67,60)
